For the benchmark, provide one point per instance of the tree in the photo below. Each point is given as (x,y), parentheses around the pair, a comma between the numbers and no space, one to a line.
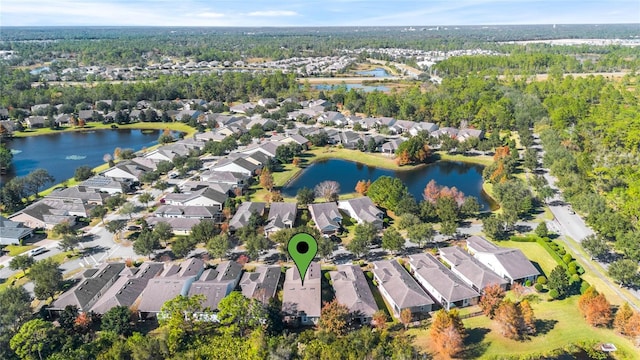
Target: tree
(164,166)
(15,303)
(47,277)
(541,230)
(387,192)
(621,320)
(37,179)
(406,317)
(528,318)
(491,298)
(509,320)
(182,246)
(595,308)
(36,339)
(241,314)
(266,179)
(379,319)
(146,243)
(392,240)
(362,186)
(328,190)
(116,226)
(470,207)
(179,317)
(420,233)
(118,319)
(447,333)
(128,209)
(21,262)
(98,211)
(364,235)
(145,198)
(595,245)
(325,247)
(305,196)
(219,245)
(334,318)
(63,228)
(69,242)
(203,231)
(558,281)
(113,202)
(624,271)
(5,155)
(494,227)
(163,231)
(82,173)
(256,243)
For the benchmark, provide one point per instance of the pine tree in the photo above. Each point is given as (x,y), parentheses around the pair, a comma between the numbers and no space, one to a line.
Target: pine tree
(490,300)
(509,320)
(528,319)
(623,315)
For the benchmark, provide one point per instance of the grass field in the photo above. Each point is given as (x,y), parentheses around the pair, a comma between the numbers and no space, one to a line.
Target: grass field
(559,324)
(176,126)
(15,250)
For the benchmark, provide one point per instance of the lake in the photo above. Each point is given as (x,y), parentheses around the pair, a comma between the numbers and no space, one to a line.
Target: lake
(466,177)
(365,88)
(60,154)
(377,72)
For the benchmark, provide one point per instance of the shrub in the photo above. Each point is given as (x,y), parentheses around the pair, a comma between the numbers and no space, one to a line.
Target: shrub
(527,283)
(327,276)
(574,278)
(542,280)
(538,287)
(567,258)
(572,271)
(584,286)
(554,294)
(369,275)
(562,251)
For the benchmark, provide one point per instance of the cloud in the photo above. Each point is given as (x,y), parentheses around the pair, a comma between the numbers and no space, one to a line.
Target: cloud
(210,14)
(273,13)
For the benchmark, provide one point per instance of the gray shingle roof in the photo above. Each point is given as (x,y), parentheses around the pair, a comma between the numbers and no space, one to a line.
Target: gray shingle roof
(352,290)
(438,276)
(217,283)
(475,272)
(85,294)
(281,215)
(326,216)
(243,213)
(262,283)
(397,282)
(12,231)
(513,261)
(298,298)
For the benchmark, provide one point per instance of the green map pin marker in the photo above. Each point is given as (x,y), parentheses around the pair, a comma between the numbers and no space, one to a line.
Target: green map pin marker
(302,249)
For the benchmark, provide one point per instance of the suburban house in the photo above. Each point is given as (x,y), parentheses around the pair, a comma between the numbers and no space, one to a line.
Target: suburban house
(243,213)
(96,282)
(352,290)
(12,232)
(301,304)
(268,148)
(441,283)
(179,226)
(242,108)
(470,270)
(423,126)
(130,170)
(235,179)
(217,283)
(400,289)
(34,122)
(176,279)
(465,134)
(511,264)
(262,283)
(445,131)
(85,115)
(326,217)
(362,210)
(238,165)
(79,194)
(47,214)
(167,152)
(187,212)
(282,215)
(203,197)
(106,185)
(127,288)
(392,145)
(332,117)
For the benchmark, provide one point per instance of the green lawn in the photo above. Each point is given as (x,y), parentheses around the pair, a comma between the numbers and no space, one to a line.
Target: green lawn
(176,126)
(559,324)
(479,159)
(15,250)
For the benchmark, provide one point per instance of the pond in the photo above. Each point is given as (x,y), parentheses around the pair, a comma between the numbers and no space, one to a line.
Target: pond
(377,72)
(464,176)
(60,154)
(365,88)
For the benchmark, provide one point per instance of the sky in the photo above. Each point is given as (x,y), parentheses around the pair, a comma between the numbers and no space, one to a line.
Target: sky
(314,13)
